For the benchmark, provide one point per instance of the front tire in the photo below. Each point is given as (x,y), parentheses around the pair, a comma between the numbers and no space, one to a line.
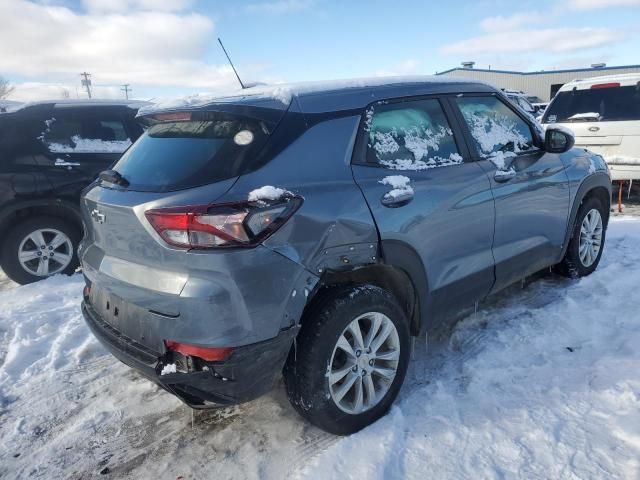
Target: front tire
(350,359)
(587,242)
(38,248)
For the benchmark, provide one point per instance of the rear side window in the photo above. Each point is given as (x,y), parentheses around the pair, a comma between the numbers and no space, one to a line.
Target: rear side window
(70,132)
(494,126)
(202,148)
(412,135)
(612,104)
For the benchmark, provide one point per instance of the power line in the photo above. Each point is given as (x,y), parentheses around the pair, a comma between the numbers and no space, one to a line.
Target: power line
(125,88)
(86,82)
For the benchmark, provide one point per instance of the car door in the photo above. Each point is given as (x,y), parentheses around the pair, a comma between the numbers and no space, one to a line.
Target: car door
(427,196)
(78,143)
(530,186)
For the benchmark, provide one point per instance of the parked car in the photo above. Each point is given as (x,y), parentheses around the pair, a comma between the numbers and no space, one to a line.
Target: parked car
(315,229)
(50,151)
(521,99)
(604,114)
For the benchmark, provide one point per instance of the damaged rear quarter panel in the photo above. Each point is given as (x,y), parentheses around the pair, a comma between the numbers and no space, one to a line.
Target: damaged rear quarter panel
(333,227)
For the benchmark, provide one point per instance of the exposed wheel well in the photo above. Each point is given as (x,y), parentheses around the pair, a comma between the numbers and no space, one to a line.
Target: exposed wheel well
(603,195)
(392,279)
(55,210)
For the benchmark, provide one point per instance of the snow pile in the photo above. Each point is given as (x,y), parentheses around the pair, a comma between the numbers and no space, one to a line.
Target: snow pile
(169,368)
(542,382)
(400,186)
(90,145)
(267,192)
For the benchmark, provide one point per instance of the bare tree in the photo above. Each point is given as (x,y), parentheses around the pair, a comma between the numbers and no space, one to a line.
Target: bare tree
(5,88)
(64,93)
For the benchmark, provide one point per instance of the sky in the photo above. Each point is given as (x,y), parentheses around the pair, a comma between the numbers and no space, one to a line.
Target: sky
(165,48)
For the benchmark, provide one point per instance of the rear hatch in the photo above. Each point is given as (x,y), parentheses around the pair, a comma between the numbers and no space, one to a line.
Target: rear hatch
(605,118)
(184,158)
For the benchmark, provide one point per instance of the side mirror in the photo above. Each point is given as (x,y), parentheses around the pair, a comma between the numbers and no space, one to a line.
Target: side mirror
(558,139)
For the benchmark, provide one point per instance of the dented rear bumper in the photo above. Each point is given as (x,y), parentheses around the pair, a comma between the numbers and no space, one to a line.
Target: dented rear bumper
(250,371)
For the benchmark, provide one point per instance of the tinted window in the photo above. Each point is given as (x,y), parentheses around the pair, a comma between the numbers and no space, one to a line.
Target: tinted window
(494,126)
(412,135)
(597,104)
(69,132)
(173,155)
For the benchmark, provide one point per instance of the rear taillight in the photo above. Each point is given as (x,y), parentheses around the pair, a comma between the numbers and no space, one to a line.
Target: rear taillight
(605,85)
(206,353)
(244,224)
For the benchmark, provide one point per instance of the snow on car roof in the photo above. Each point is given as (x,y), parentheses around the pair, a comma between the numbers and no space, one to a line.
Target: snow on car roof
(62,103)
(283,93)
(624,79)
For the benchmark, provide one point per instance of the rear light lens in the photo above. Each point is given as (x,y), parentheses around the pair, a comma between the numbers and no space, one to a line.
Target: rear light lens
(605,85)
(206,353)
(244,224)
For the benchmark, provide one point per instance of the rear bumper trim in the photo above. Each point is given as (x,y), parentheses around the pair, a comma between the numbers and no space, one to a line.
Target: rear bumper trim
(249,372)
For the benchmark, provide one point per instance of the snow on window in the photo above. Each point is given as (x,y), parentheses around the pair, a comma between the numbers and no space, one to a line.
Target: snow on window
(415,136)
(585,116)
(498,131)
(385,143)
(90,145)
(268,192)
(399,186)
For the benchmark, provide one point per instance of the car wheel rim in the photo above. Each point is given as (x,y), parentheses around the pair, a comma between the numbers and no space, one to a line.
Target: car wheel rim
(45,252)
(590,237)
(364,363)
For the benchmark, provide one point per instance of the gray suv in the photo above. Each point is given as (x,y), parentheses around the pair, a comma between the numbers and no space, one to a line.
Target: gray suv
(313,230)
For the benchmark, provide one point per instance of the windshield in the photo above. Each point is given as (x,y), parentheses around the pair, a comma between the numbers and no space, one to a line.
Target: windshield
(595,104)
(195,149)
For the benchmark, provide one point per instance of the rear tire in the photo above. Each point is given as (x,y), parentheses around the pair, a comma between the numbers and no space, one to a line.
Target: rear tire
(343,391)
(51,231)
(587,240)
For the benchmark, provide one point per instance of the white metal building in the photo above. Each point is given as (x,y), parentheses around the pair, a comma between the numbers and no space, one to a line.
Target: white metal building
(543,84)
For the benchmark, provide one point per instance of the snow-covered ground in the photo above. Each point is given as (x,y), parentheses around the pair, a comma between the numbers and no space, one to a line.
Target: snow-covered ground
(541,382)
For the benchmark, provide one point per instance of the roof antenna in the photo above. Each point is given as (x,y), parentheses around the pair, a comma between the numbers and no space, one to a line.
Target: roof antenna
(231,63)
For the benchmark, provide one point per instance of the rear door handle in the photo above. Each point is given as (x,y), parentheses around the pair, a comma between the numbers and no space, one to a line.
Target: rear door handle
(396,201)
(502,176)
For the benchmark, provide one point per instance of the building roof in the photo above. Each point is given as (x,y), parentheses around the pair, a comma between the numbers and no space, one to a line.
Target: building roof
(540,72)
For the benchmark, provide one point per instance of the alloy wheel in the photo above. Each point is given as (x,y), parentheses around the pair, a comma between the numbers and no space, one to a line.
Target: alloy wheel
(590,237)
(45,252)
(364,363)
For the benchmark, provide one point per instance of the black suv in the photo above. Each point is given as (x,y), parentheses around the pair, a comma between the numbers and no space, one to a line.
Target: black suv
(49,152)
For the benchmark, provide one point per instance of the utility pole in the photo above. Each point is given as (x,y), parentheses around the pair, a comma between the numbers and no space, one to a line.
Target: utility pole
(86,82)
(125,88)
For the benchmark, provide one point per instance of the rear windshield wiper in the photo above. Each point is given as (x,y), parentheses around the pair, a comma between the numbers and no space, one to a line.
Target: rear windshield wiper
(114,177)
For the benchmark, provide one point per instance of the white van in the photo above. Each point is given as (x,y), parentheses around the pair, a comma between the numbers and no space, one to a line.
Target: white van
(604,114)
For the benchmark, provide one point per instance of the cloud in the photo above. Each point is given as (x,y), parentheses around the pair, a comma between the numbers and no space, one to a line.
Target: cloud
(514,21)
(280,6)
(596,4)
(141,47)
(121,6)
(542,41)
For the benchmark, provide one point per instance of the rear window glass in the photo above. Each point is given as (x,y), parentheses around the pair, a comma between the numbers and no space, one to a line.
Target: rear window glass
(207,147)
(595,104)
